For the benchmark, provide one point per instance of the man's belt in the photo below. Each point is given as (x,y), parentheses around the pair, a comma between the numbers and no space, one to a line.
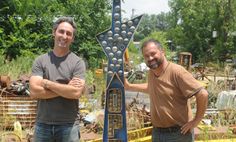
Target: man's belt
(171,129)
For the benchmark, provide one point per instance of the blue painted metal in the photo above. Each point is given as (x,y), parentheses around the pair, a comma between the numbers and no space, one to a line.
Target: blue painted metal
(114,42)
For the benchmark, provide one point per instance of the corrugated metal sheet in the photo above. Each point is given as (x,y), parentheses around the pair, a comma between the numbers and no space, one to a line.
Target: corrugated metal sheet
(17,108)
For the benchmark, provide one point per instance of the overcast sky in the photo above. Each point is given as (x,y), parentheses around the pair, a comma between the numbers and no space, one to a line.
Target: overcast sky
(144,6)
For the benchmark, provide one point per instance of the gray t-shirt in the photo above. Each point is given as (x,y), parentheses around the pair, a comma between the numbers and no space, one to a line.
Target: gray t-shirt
(58,110)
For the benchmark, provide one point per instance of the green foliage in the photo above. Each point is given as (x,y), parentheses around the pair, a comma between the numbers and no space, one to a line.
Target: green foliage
(20,66)
(92,53)
(26,25)
(132,48)
(89,77)
(192,23)
(151,23)
(22,37)
(1,30)
(134,53)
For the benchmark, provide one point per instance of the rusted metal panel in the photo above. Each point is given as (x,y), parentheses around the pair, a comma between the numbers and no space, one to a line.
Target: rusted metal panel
(4,81)
(17,108)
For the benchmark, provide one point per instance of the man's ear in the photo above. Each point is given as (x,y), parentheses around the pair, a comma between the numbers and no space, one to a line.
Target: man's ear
(163,50)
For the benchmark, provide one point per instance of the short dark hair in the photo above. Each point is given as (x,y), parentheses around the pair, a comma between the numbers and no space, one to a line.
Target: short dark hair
(69,20)
(156,42)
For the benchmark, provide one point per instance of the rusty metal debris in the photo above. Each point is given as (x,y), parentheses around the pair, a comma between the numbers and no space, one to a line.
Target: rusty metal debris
(14,88)
(15,103)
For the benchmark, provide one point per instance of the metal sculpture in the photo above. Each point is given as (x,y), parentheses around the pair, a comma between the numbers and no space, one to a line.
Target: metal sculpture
(114,42)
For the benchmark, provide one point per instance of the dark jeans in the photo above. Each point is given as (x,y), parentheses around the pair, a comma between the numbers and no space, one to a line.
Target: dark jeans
(172,134)
(56,133)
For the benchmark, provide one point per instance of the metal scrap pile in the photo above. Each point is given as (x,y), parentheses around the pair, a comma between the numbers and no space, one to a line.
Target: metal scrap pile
(138,116)
(18,87)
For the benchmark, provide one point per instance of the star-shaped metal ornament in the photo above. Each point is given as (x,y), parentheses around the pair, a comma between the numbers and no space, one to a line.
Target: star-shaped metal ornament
(114,42)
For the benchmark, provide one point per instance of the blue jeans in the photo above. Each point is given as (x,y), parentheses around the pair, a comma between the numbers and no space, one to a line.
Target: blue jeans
(171,136)
(56,133)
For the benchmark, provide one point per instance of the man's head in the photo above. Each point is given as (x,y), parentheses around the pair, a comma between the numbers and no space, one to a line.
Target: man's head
(153,53)
(69,20)
(64,30)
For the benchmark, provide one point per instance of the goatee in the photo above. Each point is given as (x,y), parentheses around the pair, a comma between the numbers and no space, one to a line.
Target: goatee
(157,63)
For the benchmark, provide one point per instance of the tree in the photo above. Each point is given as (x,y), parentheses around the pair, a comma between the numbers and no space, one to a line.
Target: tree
(26,25)
(194,21)
(151,23)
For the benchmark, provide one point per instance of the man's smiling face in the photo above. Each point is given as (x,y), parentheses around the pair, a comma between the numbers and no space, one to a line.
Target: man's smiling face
(63,35)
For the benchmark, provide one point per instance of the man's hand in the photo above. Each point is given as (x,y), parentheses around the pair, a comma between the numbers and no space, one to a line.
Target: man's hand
(189,126)
(38,88)
(76,82)
(202,99)
(135,87)
(126,83)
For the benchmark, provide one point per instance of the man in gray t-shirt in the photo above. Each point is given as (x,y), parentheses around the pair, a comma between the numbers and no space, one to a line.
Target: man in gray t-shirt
(57,82)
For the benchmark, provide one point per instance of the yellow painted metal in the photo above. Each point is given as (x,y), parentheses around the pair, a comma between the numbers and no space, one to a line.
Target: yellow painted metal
(144,139)
(220,140)
(144,135)
(139,133)
(134,134)
(204,83)
(99,72)
(148,139)
(126,56)
(97,140)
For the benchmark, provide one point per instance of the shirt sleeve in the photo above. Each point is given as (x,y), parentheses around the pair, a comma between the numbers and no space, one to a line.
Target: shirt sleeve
(188,85)
(80,69)
(37,69)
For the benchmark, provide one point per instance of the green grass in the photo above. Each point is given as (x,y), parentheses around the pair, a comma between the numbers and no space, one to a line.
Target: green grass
(16,68)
